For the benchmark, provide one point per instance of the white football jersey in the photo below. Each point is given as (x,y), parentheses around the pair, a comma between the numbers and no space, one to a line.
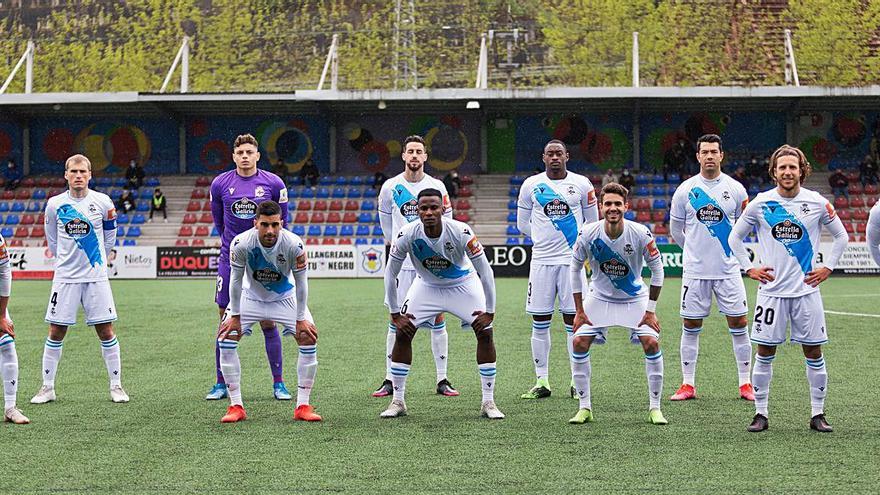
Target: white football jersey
(441,262)
(709,208)
(79,233)
(4,252)
(268,272)
(558,209)
(788,237)
(873,232)
(399,198)
(616,264)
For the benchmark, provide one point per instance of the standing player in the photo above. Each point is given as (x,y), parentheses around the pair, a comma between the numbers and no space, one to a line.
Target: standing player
(80,231)
(789,220)
(551,208)
(266,257)
(704,209)
(616,250)
(398,206)
(873,233)
(234,198)
(8,356)
(446,253)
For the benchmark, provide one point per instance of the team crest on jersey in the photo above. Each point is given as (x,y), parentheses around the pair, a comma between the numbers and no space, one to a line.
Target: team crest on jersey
(614,269)
(267,276)
(787,231)
(244,208)
(93,208)
(259,191)
(76,228)
(804,208)
(410,209)
(571,191)
(556,209)
(280,259)
(628,249)
(725,195)
(710,215)
(448,246)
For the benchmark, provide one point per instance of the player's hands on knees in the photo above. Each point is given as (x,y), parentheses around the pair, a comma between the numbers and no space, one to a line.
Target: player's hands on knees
(761,274)
(650,320)
(482,321)
(231,328)
(404,323)
(580,319)
(7,327)
(817,276)
(306,332)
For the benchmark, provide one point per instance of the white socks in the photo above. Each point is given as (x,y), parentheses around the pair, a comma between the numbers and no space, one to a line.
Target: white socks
(9,368)
(541,347)
(582,371)
(689,349)
(389,346)
(440,348)
(654,371)
(761,376)
(817,376)
(51,357)
(487,379)
(306,368)
(231,368)
(742,352)
(113,360)
(399,372)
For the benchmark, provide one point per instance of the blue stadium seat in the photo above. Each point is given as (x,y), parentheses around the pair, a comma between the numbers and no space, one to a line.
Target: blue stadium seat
(511,205)
(307,193)
(291,206)
(376,217)
(517,180)
(115,194)
(322,193)
(378,241)
(657,179)
(129,242)
(146,194)
(331,230)
(363,230)
(214,231)
(512,230)
(630,215)
(354,193)
(123,219)
(368,205)
(512,241)
(659,204)
(674,179)
(360,241)
(527,241)
(120,231)
(152,182)
(513,192)
(377,229)
(104,182)
(658,190)
(119,182)
(325,181)
(346,231)
(642,191)
(754,189)
(341,180)
(134,231)
(138,219)
(39,194)
(365,218)
(116,243)
(18,206)
(4,206)
(143,206)
(314,230)
(35,206)
(299,230)
(357,180)
(293,192)
(661,239)
(338,193)
(7,232)
(511,217)
(642,179)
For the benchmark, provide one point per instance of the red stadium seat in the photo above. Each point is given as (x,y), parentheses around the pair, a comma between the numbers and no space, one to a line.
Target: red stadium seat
(350,217)
(301,217)
(643,216)
(643,204)
(202,231)
(336,205)
(345,240)
(860,215)
(334,217)
(185,231)
(658,216)
(848,227)
(352,205)
(198,194)
(189,218)
(854,238)
(311,241)
(871,201)
(661,229)
(856,202)
(41,219)
(206,206)
(43,182)
(28,182)
(462,217)
(58,182)
(22,232)
(16,243)
(23,194)
(28,219)
(203,181)
(38,232)
(304,205)
(317,217)
(320,205)
(328,241)
(860,227)
(844,214)
(194,205)
(182,242)
(854,188)
(840,202)
(465,192)
(206,218)
(7,195)
(198,242)
(462,204)
(871,189)
(466,180)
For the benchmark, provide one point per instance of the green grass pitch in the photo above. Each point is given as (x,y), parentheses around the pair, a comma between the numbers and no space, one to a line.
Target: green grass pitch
(170,440)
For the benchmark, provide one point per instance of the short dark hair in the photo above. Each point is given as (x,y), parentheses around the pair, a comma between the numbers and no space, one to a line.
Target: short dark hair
(614,188)
(556,141)
(430,192)
(245,139)
(710,138)
(414,139)
(268,209)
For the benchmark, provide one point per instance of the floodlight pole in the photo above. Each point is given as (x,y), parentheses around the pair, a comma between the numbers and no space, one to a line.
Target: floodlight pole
(635,56)
(331,64)
(483,65)
(791,73)
(182,53)
(27,58)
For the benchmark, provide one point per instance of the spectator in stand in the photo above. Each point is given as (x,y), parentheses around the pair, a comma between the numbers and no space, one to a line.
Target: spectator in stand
(452,183)
(157,203)
(755,170)
(627,180)
(609,176)
(741,177)
(378,179)
(280,169)
(134,175)
(839,184)
(126,202)
(868,171)
(13,175)
(309,172)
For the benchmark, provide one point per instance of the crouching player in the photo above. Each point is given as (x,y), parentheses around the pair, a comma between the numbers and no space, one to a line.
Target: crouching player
(445,254)
(263,260)
(616,249)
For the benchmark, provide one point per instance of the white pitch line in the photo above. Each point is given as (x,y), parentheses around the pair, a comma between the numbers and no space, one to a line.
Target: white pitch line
(824,296)
(851,314)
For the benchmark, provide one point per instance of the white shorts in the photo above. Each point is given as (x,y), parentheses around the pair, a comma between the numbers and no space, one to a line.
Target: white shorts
(604,314)
(281,312)
(96,299)
(696,297)
(404,281)
(547,283)
(425,302)
(805,313)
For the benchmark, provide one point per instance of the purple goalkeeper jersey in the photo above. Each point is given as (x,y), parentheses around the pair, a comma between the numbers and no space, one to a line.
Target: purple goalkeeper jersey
(234,201)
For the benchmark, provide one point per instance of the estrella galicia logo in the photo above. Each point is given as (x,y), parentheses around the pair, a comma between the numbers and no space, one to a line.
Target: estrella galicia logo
(436,263)
(410,209)
(787,232)
(267,276)
(77,228)
(556,209)
(244,208)
(710,215)
(614,269)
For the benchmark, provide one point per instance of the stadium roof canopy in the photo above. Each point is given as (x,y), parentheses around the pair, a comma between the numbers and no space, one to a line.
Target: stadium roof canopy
(492,101)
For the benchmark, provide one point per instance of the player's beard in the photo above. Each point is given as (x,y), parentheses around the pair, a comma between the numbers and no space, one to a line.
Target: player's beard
(414,167)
